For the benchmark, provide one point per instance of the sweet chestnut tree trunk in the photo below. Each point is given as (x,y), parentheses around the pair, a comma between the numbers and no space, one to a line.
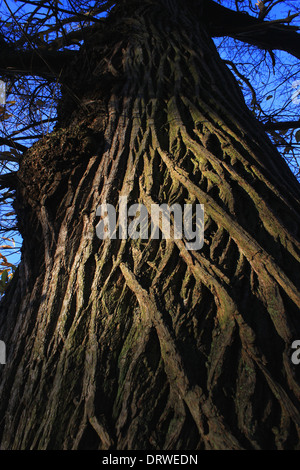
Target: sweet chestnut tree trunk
(144,344)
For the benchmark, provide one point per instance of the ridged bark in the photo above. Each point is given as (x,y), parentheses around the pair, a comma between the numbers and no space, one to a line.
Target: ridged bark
(142,344)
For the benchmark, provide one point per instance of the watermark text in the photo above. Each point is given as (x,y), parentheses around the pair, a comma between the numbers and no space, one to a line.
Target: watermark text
(2,93)
(133,222)
(296,354)
(296,93)
(2,352)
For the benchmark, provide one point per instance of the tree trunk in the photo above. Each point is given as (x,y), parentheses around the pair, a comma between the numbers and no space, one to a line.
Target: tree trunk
(143,344)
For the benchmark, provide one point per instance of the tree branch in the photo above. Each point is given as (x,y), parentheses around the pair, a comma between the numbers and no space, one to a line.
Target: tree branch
(89,15)
(269,35)
(281,126)
(47,64)
(12,143)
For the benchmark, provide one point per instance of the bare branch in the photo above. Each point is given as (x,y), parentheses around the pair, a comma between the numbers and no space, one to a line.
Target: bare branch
(269,35)
(282,126)
(12,143)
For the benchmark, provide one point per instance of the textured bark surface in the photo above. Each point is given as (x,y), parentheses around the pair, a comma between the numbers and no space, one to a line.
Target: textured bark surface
(141,344)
